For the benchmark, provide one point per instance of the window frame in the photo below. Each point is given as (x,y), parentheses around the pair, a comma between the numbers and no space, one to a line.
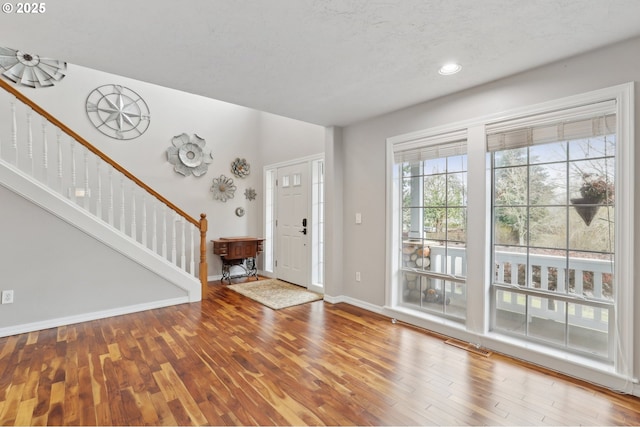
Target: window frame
(620,371)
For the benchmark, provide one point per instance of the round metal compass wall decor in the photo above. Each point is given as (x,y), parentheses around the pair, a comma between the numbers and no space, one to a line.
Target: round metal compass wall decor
(118,112)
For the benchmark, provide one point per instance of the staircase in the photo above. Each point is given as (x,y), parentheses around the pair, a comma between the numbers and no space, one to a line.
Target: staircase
(48,164)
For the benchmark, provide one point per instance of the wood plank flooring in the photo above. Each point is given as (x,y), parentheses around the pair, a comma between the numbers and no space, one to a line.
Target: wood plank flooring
(231,361)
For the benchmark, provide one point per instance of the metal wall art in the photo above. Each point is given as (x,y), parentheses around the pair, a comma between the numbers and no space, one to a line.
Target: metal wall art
(118,112)
(189,156)
(239,211)
(223,188)
(240,168)
(30,70)
(250,194)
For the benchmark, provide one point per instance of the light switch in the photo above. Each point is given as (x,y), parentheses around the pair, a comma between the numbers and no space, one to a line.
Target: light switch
(358,218)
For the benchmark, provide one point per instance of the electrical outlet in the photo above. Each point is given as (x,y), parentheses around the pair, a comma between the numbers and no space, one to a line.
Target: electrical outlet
(7,297)
(357,276)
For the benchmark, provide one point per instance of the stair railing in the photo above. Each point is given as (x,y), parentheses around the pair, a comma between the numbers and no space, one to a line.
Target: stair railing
(152,220)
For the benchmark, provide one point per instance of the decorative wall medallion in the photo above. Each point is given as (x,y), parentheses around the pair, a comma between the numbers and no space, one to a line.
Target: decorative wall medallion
(118,112)
(239,211)
(189,157)
(240,167)
(250,194)
(30,70)
(223,188)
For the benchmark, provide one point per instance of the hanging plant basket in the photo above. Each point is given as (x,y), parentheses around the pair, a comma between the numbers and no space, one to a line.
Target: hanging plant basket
(587,208)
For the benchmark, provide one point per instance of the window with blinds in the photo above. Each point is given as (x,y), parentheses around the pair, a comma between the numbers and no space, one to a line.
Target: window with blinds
(433,224)
(553,203)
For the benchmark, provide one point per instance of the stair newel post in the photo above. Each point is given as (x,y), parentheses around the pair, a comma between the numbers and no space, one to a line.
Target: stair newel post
(30,138)
(203,252)
(45,153)
(14,130)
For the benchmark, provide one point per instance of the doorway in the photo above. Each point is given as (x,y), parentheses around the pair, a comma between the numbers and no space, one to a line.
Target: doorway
(293,222)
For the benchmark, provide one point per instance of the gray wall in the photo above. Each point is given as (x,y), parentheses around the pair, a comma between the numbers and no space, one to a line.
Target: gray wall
(230,130)
(57,271)
(364,150)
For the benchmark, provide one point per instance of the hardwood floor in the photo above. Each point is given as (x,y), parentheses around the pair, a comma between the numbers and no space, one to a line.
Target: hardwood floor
(231,361)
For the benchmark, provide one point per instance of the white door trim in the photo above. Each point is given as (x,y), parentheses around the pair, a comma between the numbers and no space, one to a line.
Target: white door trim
(269,270)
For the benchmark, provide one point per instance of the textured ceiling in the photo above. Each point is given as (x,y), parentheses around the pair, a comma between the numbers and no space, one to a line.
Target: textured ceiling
(331,62)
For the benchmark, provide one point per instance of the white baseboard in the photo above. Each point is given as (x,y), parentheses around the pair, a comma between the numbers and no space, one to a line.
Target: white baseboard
(87,317)
(355,302)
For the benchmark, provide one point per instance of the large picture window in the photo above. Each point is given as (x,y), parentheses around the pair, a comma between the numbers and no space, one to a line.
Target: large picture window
(553,203)
(515,232)
(433,227)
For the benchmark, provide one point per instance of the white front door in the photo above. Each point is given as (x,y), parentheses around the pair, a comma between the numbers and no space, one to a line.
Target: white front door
(293,226)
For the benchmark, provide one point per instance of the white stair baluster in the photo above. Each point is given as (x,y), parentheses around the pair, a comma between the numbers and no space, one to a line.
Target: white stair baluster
(164,231)
(45,153)
(154,228)
(14,130)
(86,180)
(134,230)
(99,184)
(183,256)
(59,141)
(173,237)
(110,210)
(30,139)
(73,172)
(143,237)
(122,201)
(192,264)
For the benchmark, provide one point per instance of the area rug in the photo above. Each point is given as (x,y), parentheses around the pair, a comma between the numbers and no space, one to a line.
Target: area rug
(275,294)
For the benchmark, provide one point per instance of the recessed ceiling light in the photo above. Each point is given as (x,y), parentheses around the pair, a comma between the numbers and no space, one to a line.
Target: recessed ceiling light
(448,69)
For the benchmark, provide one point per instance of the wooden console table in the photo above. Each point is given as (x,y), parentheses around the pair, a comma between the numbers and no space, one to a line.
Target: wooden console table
(238,251)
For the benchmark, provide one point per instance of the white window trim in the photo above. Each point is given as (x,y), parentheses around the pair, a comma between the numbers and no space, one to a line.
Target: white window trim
(621,376)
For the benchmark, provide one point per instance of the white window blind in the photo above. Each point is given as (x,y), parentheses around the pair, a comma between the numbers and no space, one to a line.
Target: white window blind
(576,123)
(432,151)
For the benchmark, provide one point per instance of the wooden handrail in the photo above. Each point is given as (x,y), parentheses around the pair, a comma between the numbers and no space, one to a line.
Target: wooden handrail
(201,224)
(35,107)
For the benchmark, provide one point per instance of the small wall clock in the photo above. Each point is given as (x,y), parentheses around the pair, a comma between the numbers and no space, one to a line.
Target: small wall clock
(118,112)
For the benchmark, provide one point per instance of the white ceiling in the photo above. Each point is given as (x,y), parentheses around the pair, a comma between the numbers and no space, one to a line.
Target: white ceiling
(329,62)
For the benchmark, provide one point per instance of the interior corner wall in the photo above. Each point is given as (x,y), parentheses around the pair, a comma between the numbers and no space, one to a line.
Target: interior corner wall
(334,213)
(231,131)
(364,150)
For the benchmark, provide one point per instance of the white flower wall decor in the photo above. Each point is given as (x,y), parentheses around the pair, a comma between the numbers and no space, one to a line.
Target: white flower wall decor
(223,188)
(240,167)
(250,194)
(189,156)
